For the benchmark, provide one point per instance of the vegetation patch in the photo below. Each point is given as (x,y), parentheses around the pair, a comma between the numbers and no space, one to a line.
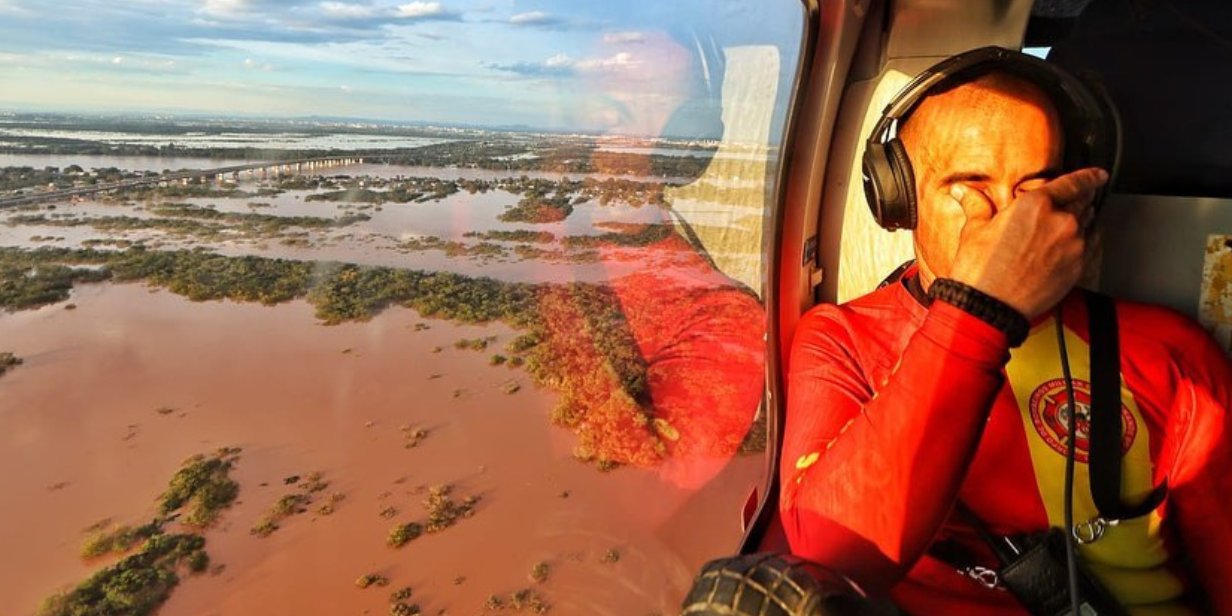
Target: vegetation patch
(443,512)
(8,360)
(523,600)
(412,437)
(646,235)
(202,488)
(140,582)
(372,579)
(400,190)
(295,503)
(538,211)
(187,220)
(539,572)
(30,282)
(474,344)
(254,224)
(403,534)
(118,540)
(517,235)
(453,248)
(556,255)
(404,609)
(331,504)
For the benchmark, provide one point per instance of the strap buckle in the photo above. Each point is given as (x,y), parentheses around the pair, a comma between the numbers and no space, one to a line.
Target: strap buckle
(988,578)
(1092,530)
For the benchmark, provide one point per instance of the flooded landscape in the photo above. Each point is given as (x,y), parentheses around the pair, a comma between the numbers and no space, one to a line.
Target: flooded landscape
(436,389)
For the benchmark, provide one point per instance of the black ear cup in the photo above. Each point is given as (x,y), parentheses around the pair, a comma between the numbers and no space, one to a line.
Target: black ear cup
(879,184)
(903,215)
(889,185)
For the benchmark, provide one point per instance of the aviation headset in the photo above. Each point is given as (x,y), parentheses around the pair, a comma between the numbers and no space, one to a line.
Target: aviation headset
(1088,118)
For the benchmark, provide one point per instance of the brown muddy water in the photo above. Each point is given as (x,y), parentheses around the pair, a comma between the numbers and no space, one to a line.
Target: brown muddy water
(82,439)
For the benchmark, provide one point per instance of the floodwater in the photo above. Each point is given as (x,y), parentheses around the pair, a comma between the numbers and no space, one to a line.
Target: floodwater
(130,163)
(264,140)
(82,440)
(377,241)
(381,170)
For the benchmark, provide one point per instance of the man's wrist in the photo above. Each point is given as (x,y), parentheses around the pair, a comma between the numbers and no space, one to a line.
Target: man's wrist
(985,307)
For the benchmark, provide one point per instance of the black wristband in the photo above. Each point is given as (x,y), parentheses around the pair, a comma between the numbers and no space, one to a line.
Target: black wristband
(982,306)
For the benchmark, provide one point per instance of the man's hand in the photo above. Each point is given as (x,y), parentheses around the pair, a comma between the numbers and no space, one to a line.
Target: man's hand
(1030,253)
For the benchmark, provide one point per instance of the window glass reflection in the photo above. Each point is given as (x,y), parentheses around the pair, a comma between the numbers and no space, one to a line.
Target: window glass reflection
(423,308)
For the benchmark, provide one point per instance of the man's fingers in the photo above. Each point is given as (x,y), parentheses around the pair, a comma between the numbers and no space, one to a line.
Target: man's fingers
(975,204)
(1073,186)
(1078,205)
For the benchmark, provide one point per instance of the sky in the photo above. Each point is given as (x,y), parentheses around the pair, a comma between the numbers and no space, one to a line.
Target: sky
(585,65)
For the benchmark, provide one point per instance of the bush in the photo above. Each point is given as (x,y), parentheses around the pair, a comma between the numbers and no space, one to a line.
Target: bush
(136,585)
(539,573)
(118,540)
(372,579)
(203,486)
(264,528)
(198,561)
(296,502)
(404,533)
(8,360)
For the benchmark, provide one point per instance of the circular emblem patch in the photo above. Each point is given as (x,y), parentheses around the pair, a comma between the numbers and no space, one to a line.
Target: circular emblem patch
(1050,416)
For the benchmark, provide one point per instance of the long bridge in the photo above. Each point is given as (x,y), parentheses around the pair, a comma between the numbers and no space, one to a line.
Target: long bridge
(236,172)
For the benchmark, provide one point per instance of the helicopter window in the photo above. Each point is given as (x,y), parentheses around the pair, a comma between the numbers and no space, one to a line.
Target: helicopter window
(417,307)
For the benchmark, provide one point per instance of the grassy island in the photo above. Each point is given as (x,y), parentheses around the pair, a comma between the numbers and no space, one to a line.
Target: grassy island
(143,579)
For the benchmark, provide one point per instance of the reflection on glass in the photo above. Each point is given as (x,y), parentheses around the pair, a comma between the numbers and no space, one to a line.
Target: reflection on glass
(498,348)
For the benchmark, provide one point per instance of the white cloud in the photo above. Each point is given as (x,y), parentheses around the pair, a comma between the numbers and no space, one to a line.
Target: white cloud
(285,55)
(50,63)
(9,8)
(620,61)
(249,63)
(531,18)
(342,10)
(617,38)
(562,65)
(346,89)
(224,8)
(421,10)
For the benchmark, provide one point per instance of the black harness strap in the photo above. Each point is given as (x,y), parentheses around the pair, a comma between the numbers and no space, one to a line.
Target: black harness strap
(1105,421)
(1104,464)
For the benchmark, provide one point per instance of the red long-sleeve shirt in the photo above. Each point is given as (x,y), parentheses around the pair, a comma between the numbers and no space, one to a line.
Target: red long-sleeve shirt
(895,410)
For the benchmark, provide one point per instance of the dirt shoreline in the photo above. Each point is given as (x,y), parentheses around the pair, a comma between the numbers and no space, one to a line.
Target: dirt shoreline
(82,439)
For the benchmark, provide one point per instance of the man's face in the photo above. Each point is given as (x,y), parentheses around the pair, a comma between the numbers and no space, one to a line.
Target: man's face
(998,135)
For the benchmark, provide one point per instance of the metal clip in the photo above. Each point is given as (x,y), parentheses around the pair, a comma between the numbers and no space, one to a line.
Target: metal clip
(988,578)
(1091,530)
